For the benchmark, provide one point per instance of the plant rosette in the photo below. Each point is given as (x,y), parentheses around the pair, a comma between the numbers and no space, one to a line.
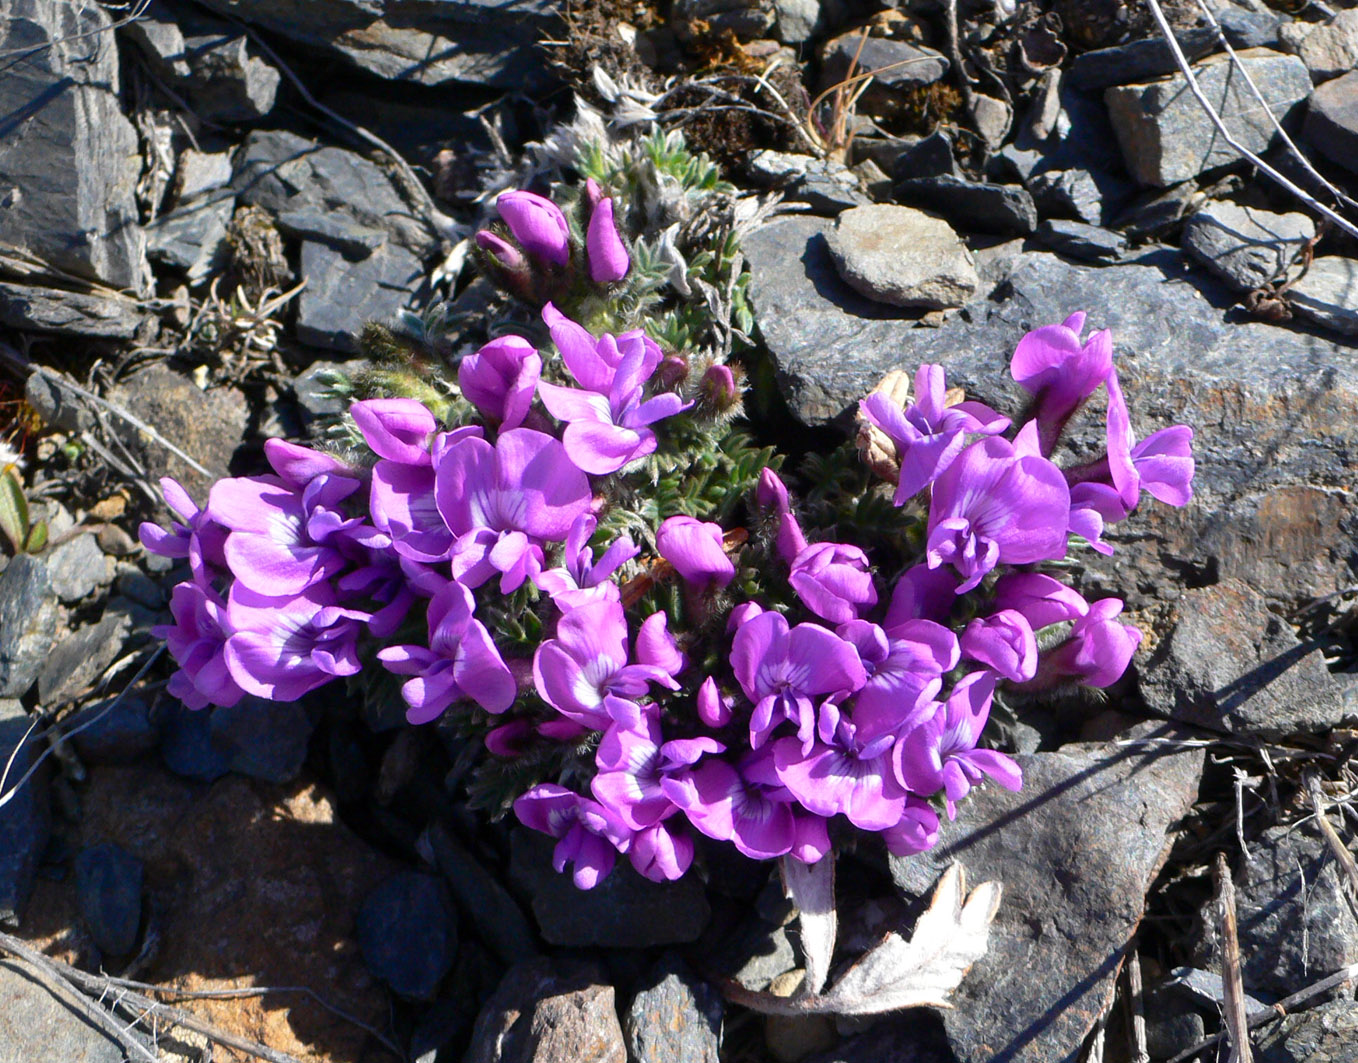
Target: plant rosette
(586,564)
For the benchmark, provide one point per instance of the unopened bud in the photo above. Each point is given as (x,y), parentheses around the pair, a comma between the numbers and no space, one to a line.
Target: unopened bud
(719,390)
(671,373)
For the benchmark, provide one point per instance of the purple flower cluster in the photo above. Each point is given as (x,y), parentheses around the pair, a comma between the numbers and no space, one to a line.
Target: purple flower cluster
(838,690)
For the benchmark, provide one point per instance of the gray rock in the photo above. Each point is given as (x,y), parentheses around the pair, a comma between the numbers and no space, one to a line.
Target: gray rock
(407,934)
(755,955)
(336,231)
(113,733)
(1331,49)
(1231,665)
(68,158)
(1154,214)
(192,237)
(200,172)
(344,294)
(1137,61)
(674,1017)
(25,821)
(1293,922)
(1171,1025)
(624,911)
(797,20)
(931,156)
(1327,1034)
(28,623)
(186,744)
(1092,196)
(548,1011)
(230,84)
(1245,246)
(108,882)
(30,307)
(1075,239)
(898,68)
(1247,27)
(285,173)
(206,425)
(1165,135)
(866,243)
(1076,850)
(914,1036)
(35,1025)
(1275,411)
(57,405)
(1328,294)
(79,658)
(745,19)
(158,37)
(974,205)
(264,740)
(490,42)
(76,567)
(1332,121)
(494,914)
(826,185)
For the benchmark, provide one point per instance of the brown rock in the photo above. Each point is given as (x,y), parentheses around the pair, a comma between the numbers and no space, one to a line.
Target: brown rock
(547,1011)
(249,885)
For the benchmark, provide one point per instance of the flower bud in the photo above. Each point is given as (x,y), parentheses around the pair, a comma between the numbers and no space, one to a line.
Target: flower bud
(537,224)
(696,551)
(608,258)
(500,378)
(671,373)
(713,708)
(505,254)
(718,391)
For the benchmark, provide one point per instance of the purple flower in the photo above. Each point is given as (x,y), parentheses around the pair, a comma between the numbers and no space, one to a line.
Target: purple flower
(587,661)
(916,831)
(833,581)
(500,378)
(537,224)
(941,753)
(396,429)
(502,501)
(1060,371)
(197,641)
(1161,464)
(842,773)
(583,579)
(1092,506)
(634,760)
(590,836)
(905,666)
(281,648)
(1041,599)
(928,434)
(772,496)
(1003,641)
(505,254)
(461,661)
(1097,652)
(387,578)
(607,423)
(608,260)
(922,593)
(297,465)
(782,670)
(282,540)
(714,708)
(991,506)
(750,808)
(198,537)
(695,549)
(659,853)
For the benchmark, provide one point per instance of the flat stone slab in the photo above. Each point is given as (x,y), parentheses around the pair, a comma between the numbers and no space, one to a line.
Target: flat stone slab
(1076,850)
(869,245)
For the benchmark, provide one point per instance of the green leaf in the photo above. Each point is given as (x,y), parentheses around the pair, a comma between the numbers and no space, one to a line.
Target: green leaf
(37,538)
(13,508)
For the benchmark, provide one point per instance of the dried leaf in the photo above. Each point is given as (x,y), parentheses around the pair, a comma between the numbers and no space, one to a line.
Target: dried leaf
(950,936)
(812,889)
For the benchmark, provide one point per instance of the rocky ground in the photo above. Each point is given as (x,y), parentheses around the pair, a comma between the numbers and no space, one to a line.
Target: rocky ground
(203,203)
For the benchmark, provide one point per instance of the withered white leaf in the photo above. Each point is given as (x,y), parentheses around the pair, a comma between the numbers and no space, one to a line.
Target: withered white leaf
(811,888)
(949,937)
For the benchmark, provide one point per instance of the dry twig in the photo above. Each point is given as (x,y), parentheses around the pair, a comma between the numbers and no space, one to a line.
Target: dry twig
(1341,851)
(1237,1024)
